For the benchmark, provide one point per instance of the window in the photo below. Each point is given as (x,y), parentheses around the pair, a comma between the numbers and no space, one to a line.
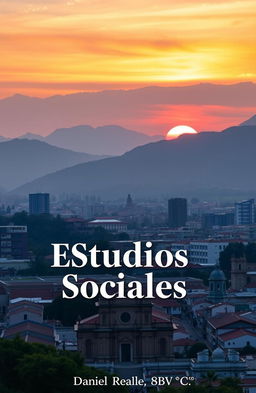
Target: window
(25,317)
(125,317)
(6,243)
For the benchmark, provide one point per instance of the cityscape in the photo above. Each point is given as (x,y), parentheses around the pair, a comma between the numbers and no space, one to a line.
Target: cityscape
(211,330)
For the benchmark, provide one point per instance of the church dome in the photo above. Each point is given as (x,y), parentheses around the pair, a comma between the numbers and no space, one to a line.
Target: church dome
(217,275)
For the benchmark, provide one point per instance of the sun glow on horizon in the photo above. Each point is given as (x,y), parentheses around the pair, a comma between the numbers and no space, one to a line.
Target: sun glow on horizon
(82,45)
(175,132)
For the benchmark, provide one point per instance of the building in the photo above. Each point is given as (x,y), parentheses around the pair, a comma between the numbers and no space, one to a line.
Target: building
(24,310)
(206,251)
(109,224)
(217,286)
(220,308)
(242,273)
(129,202)
(171,306)
(14,242)
(126,331)
(237,339)
(245,212)
(25,319)
(39,203)
(4,301)
(177,212)
(222,365)
(229,322)
(31,332)
(10,266)
(210,220)
(76,224)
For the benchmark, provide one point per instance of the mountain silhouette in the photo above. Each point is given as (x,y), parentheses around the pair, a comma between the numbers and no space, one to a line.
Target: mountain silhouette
(20,114)
(107,140)
(250,122)
(205,161)
(3,139)
(23,160)
(31,135)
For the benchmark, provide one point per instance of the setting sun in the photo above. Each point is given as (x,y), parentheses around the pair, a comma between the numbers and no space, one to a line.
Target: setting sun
(179,130)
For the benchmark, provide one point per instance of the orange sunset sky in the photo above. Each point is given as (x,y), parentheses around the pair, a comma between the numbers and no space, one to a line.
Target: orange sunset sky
(58,47)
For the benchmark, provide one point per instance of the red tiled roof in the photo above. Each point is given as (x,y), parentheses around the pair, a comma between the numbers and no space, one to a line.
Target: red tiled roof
(159,316)
(90,320)
(25,305)
(249,382)
(235,334)
(226,319)
(31,331)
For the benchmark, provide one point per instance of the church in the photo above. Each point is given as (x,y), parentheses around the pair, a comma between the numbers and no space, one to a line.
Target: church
(242,273)
(125,331)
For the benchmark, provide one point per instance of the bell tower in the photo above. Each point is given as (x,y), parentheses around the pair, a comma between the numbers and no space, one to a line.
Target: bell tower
(217,286)
(238,273)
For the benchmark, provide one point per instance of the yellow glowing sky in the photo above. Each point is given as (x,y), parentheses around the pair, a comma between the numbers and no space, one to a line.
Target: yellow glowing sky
(54,46)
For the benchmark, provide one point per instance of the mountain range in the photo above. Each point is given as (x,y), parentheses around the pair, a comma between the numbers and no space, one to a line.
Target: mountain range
(206,161)
(107,140)
(21,114)
(23,160)
(250,122)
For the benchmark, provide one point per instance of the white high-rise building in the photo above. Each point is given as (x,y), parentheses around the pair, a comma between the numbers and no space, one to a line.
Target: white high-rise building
(245,212)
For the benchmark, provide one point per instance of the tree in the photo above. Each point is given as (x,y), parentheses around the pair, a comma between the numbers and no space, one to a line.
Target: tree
(230,385)
(248,350)
(47,372)
(209,378)
(236,250)
(193,351)
(250,252)
(30,368)
(69,310)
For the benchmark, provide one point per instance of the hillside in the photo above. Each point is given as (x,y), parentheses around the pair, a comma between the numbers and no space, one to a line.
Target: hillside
(205,161)
(106,140)
(23,160)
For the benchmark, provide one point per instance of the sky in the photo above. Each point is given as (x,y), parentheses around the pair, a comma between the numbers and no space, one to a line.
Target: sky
(59,47)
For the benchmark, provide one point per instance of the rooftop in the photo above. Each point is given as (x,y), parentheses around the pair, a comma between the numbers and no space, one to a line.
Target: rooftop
(235,334)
